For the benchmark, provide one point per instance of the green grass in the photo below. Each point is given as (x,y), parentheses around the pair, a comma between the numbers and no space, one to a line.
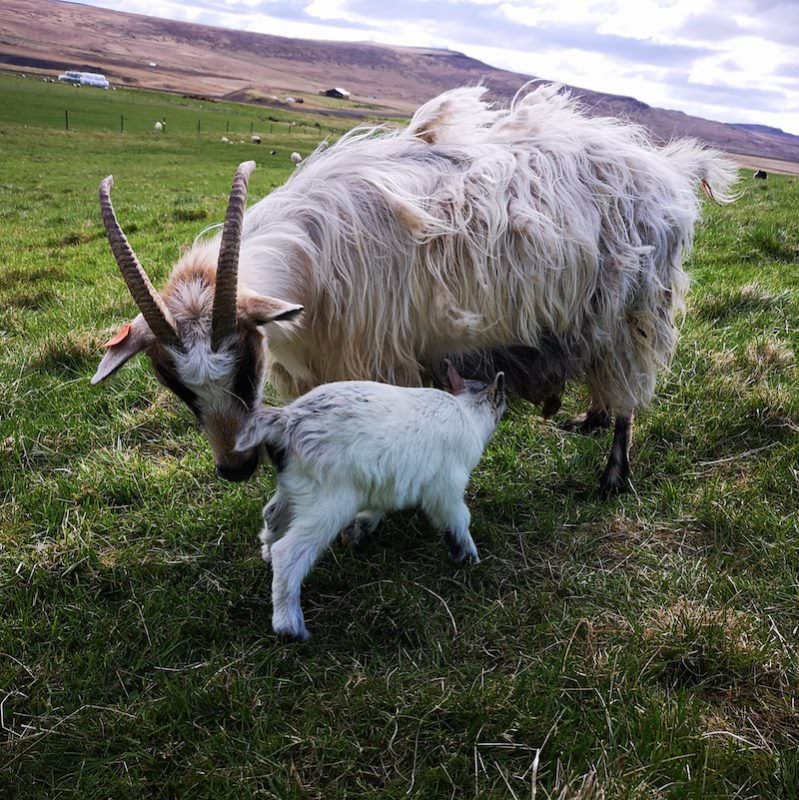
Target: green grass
(639,648)
(34,103)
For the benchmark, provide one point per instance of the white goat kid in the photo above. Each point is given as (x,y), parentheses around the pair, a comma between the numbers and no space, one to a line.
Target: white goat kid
(355,445)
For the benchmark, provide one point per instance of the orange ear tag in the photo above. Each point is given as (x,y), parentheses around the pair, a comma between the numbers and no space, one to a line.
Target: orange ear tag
(123,333)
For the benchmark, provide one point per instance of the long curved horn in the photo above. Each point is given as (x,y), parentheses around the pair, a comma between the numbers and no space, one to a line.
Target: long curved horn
(150,303)
(227,270)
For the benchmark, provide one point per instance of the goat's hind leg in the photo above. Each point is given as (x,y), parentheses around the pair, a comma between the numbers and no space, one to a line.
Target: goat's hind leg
(311,530)
(593,420)
(616,477)
(277,517)
(365,524)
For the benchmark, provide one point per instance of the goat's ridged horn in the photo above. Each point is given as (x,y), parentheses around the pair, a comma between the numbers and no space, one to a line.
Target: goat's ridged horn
(227,270)
(150,303)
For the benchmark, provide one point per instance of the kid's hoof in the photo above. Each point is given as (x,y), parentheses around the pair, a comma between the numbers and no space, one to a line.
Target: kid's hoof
(289,636)
(468,559)
(460,553)
(354,534)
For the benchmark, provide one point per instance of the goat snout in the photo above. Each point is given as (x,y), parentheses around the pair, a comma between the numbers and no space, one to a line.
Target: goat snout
(241,471)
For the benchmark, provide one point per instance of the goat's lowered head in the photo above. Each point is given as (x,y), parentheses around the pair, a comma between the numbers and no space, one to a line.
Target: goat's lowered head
(203,332)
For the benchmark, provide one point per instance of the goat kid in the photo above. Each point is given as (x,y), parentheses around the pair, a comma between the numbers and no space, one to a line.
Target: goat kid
(358,446)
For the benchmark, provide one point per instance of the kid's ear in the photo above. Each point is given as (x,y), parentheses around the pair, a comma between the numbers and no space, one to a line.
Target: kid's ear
(251,434)
(130,340)
(260,309)
(498,387)
(453,382)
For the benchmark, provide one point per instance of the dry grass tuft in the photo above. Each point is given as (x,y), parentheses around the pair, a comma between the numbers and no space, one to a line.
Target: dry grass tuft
(725,651)
(684,616)
(757,294)
(71,353)
(767,355)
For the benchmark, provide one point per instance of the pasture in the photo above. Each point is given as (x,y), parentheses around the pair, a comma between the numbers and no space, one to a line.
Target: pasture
(642,647)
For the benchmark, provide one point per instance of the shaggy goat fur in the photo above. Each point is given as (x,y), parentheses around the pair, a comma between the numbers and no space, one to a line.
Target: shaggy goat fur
(475,228)
(354,445)
(472,231)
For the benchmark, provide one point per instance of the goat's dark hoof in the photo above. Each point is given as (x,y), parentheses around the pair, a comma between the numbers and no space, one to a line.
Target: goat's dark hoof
(550,406)
(588,423)
(464,559)
(460,553)
(614,481)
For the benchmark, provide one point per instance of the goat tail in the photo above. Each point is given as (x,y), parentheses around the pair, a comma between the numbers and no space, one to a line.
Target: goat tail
(267,426)
(714,171)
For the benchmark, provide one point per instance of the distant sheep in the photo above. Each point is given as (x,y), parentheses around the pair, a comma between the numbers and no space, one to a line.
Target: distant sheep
(535,234)
(761,175)
(296,158)
(354,445)
(255,139)
(158,127)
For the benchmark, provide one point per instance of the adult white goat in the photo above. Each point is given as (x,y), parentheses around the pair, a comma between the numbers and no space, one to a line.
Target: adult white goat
(535,239)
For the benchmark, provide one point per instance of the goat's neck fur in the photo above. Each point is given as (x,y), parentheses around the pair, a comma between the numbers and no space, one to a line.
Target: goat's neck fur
(189,294)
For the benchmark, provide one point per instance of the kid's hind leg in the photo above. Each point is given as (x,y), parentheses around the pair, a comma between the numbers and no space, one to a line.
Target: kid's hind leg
(277,516)
(450,514)
(313,527)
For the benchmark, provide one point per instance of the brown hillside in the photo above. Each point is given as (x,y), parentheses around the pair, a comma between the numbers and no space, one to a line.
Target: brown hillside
(47,35)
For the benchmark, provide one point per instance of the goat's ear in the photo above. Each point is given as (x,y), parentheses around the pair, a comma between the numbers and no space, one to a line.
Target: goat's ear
(259,309)
(453,382)
(128,342)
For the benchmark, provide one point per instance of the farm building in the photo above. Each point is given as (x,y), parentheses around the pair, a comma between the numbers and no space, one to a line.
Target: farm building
(337,91)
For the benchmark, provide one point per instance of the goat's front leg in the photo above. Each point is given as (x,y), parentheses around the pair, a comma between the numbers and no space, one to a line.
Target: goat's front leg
(616,476)
(365,524)
(277,517)
(309,534)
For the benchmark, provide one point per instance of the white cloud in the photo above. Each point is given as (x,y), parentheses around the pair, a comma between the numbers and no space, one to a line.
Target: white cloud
(693,55)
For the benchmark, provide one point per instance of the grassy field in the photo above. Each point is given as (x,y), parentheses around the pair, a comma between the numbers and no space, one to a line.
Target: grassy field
(32,102)
(644,647)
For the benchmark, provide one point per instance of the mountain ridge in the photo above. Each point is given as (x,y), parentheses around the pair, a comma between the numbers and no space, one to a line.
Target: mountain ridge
(49,35)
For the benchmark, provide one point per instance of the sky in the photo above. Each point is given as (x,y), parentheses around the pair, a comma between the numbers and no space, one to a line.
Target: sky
(734,61)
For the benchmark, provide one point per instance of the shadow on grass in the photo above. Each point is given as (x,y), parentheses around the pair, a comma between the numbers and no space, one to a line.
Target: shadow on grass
(67,357)
(772,241)
(28,300)
(13,278)
(725,304)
